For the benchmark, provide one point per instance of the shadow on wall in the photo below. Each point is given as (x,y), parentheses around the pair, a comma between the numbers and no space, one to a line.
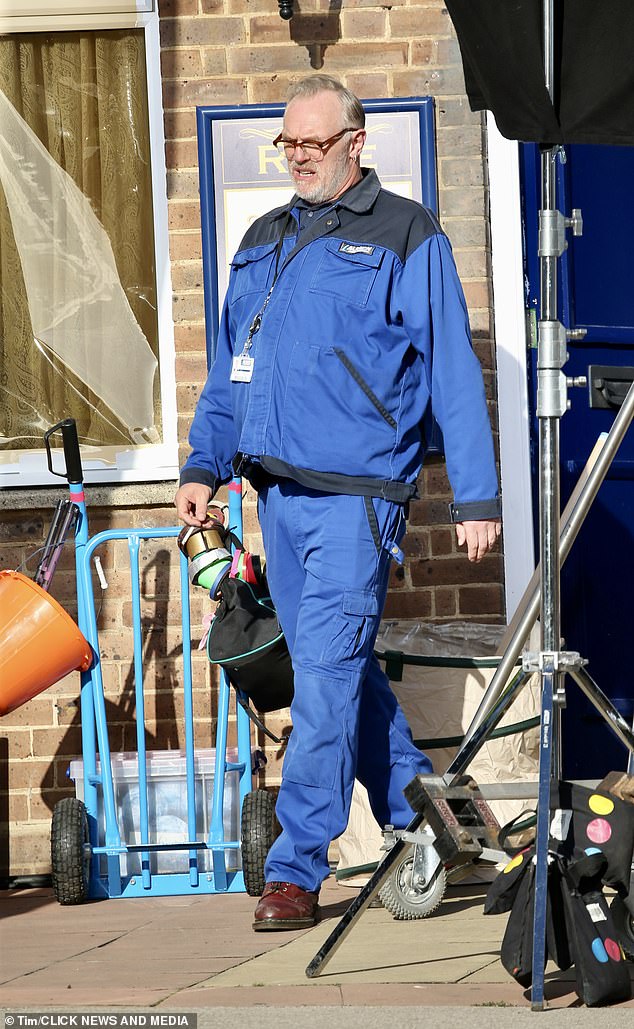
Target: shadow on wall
(316,30)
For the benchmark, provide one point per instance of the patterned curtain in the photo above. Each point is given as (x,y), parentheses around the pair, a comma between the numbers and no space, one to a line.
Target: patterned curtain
(84,96)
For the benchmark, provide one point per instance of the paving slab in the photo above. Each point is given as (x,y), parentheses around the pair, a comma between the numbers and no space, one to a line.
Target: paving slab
(200,954)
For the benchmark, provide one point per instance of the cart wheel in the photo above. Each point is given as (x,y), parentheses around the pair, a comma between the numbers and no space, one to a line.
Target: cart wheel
(624,925)
(259,829)
(70,851)
(406,899)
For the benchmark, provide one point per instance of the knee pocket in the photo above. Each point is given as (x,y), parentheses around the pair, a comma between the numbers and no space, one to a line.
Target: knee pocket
(352,626)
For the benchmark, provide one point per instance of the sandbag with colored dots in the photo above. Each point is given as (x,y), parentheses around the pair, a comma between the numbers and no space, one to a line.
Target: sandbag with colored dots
(601,972)
(586,822)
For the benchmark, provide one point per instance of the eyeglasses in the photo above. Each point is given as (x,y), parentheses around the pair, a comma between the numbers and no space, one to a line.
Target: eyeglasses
(314,149)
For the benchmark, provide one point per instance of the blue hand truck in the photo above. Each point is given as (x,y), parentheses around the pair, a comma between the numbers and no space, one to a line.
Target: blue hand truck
(90,855)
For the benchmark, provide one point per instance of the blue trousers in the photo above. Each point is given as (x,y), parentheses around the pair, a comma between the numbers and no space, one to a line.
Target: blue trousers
(327,564)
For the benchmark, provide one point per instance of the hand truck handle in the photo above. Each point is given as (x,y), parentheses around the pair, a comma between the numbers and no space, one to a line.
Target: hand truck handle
(72,456)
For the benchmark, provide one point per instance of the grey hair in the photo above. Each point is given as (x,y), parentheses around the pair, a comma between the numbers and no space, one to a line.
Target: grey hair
(354,115)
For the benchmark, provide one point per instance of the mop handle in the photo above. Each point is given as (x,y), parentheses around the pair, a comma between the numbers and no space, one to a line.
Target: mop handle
(73,471)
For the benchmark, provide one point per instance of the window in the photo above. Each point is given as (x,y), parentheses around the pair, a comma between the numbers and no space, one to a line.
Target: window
(85,298)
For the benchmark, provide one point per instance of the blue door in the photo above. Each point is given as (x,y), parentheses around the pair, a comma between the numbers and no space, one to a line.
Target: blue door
(596,286)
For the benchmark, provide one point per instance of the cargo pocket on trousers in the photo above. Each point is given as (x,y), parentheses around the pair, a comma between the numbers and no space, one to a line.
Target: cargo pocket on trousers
(351,627)
(314,748)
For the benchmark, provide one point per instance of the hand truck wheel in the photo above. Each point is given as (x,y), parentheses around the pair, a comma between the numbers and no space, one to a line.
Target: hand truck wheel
(70,851)
(259,829)
(624,925)
(406,898)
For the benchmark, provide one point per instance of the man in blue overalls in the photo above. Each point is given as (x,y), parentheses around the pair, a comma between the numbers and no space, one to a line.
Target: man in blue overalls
(344,326)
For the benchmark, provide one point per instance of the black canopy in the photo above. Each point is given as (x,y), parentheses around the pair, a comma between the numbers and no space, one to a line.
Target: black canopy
(501,42)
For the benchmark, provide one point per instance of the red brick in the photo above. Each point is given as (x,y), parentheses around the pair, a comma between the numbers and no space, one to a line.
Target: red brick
(268,28)
(248,6)
(423,52)
(481,600)
(456,111)
(182,153)
(442,541)
(183,214)
(28,774)
(369,85)
(414,604)
(191,93)
(177,8)
(181,64)
(455,571)
(201,31)
(269,89)
(364,24)
(415,21)
(53,742)
(428,80)
(189,337)
(445,602)
(477,294)
(187,275)
(188,307)
(466,232)
(179,124)
(428,512)
(214,61)
(461,171)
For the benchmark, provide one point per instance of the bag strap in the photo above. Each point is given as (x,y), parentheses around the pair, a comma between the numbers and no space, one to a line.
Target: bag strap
(514,826)
(244,703)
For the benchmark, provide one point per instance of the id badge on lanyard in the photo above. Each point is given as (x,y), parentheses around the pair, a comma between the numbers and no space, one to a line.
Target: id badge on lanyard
(242,364)
(242,368)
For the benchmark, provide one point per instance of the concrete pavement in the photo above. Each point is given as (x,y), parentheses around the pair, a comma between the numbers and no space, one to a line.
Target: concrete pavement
(200,954)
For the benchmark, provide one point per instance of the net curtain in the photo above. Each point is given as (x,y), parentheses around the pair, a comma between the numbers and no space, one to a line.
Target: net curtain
(84,97)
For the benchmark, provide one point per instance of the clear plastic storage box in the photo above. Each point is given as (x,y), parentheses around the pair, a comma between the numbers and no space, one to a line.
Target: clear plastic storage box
(167,806)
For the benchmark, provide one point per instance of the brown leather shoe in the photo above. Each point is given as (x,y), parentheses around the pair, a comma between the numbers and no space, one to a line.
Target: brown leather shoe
(286,906)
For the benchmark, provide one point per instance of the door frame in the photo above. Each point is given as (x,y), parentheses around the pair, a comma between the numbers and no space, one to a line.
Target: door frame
(511,351)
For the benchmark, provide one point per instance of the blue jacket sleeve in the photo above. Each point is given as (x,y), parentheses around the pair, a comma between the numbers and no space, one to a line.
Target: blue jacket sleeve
(212,435)
(438,326)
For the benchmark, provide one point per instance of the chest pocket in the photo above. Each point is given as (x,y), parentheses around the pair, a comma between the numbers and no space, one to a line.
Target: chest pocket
(347,273)
(252,270)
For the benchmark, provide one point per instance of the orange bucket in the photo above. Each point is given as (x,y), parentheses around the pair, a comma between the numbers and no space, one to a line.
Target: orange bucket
(39,642)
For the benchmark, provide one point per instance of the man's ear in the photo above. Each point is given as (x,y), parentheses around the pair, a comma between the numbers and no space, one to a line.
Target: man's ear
(358,142)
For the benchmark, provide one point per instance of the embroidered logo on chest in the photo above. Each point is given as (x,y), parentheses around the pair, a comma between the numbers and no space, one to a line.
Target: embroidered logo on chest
(356,248)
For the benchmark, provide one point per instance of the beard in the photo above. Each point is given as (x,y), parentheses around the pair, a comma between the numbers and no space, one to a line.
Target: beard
(327,181)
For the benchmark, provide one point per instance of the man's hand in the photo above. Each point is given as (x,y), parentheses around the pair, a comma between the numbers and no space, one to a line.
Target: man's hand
(191,503)
(480,537)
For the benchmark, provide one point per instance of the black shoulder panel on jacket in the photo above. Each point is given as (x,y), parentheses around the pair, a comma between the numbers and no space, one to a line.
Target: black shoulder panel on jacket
(266,229)
(394,222)
(389,221)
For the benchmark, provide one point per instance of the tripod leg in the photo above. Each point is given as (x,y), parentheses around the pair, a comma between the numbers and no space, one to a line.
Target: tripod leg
(604,706)
(372,887)
(360,903)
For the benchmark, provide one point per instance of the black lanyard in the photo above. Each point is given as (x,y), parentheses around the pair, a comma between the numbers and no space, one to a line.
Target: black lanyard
(257,321)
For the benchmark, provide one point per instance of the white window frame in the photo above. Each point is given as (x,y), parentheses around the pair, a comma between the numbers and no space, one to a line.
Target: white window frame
(155,462)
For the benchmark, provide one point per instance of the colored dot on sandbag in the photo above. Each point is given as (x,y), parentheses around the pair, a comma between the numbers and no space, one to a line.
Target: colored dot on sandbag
(600,805)
(598,830)
(599,950)
(513,863)
(613,949)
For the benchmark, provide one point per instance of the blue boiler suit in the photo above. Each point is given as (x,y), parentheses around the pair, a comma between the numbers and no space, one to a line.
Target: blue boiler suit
(356,330)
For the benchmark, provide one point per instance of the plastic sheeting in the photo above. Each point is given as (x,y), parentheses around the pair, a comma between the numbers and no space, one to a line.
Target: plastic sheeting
(75,297)
(439,702)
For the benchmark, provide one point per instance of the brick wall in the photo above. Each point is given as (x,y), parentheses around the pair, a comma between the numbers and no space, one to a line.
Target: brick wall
(236,52)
